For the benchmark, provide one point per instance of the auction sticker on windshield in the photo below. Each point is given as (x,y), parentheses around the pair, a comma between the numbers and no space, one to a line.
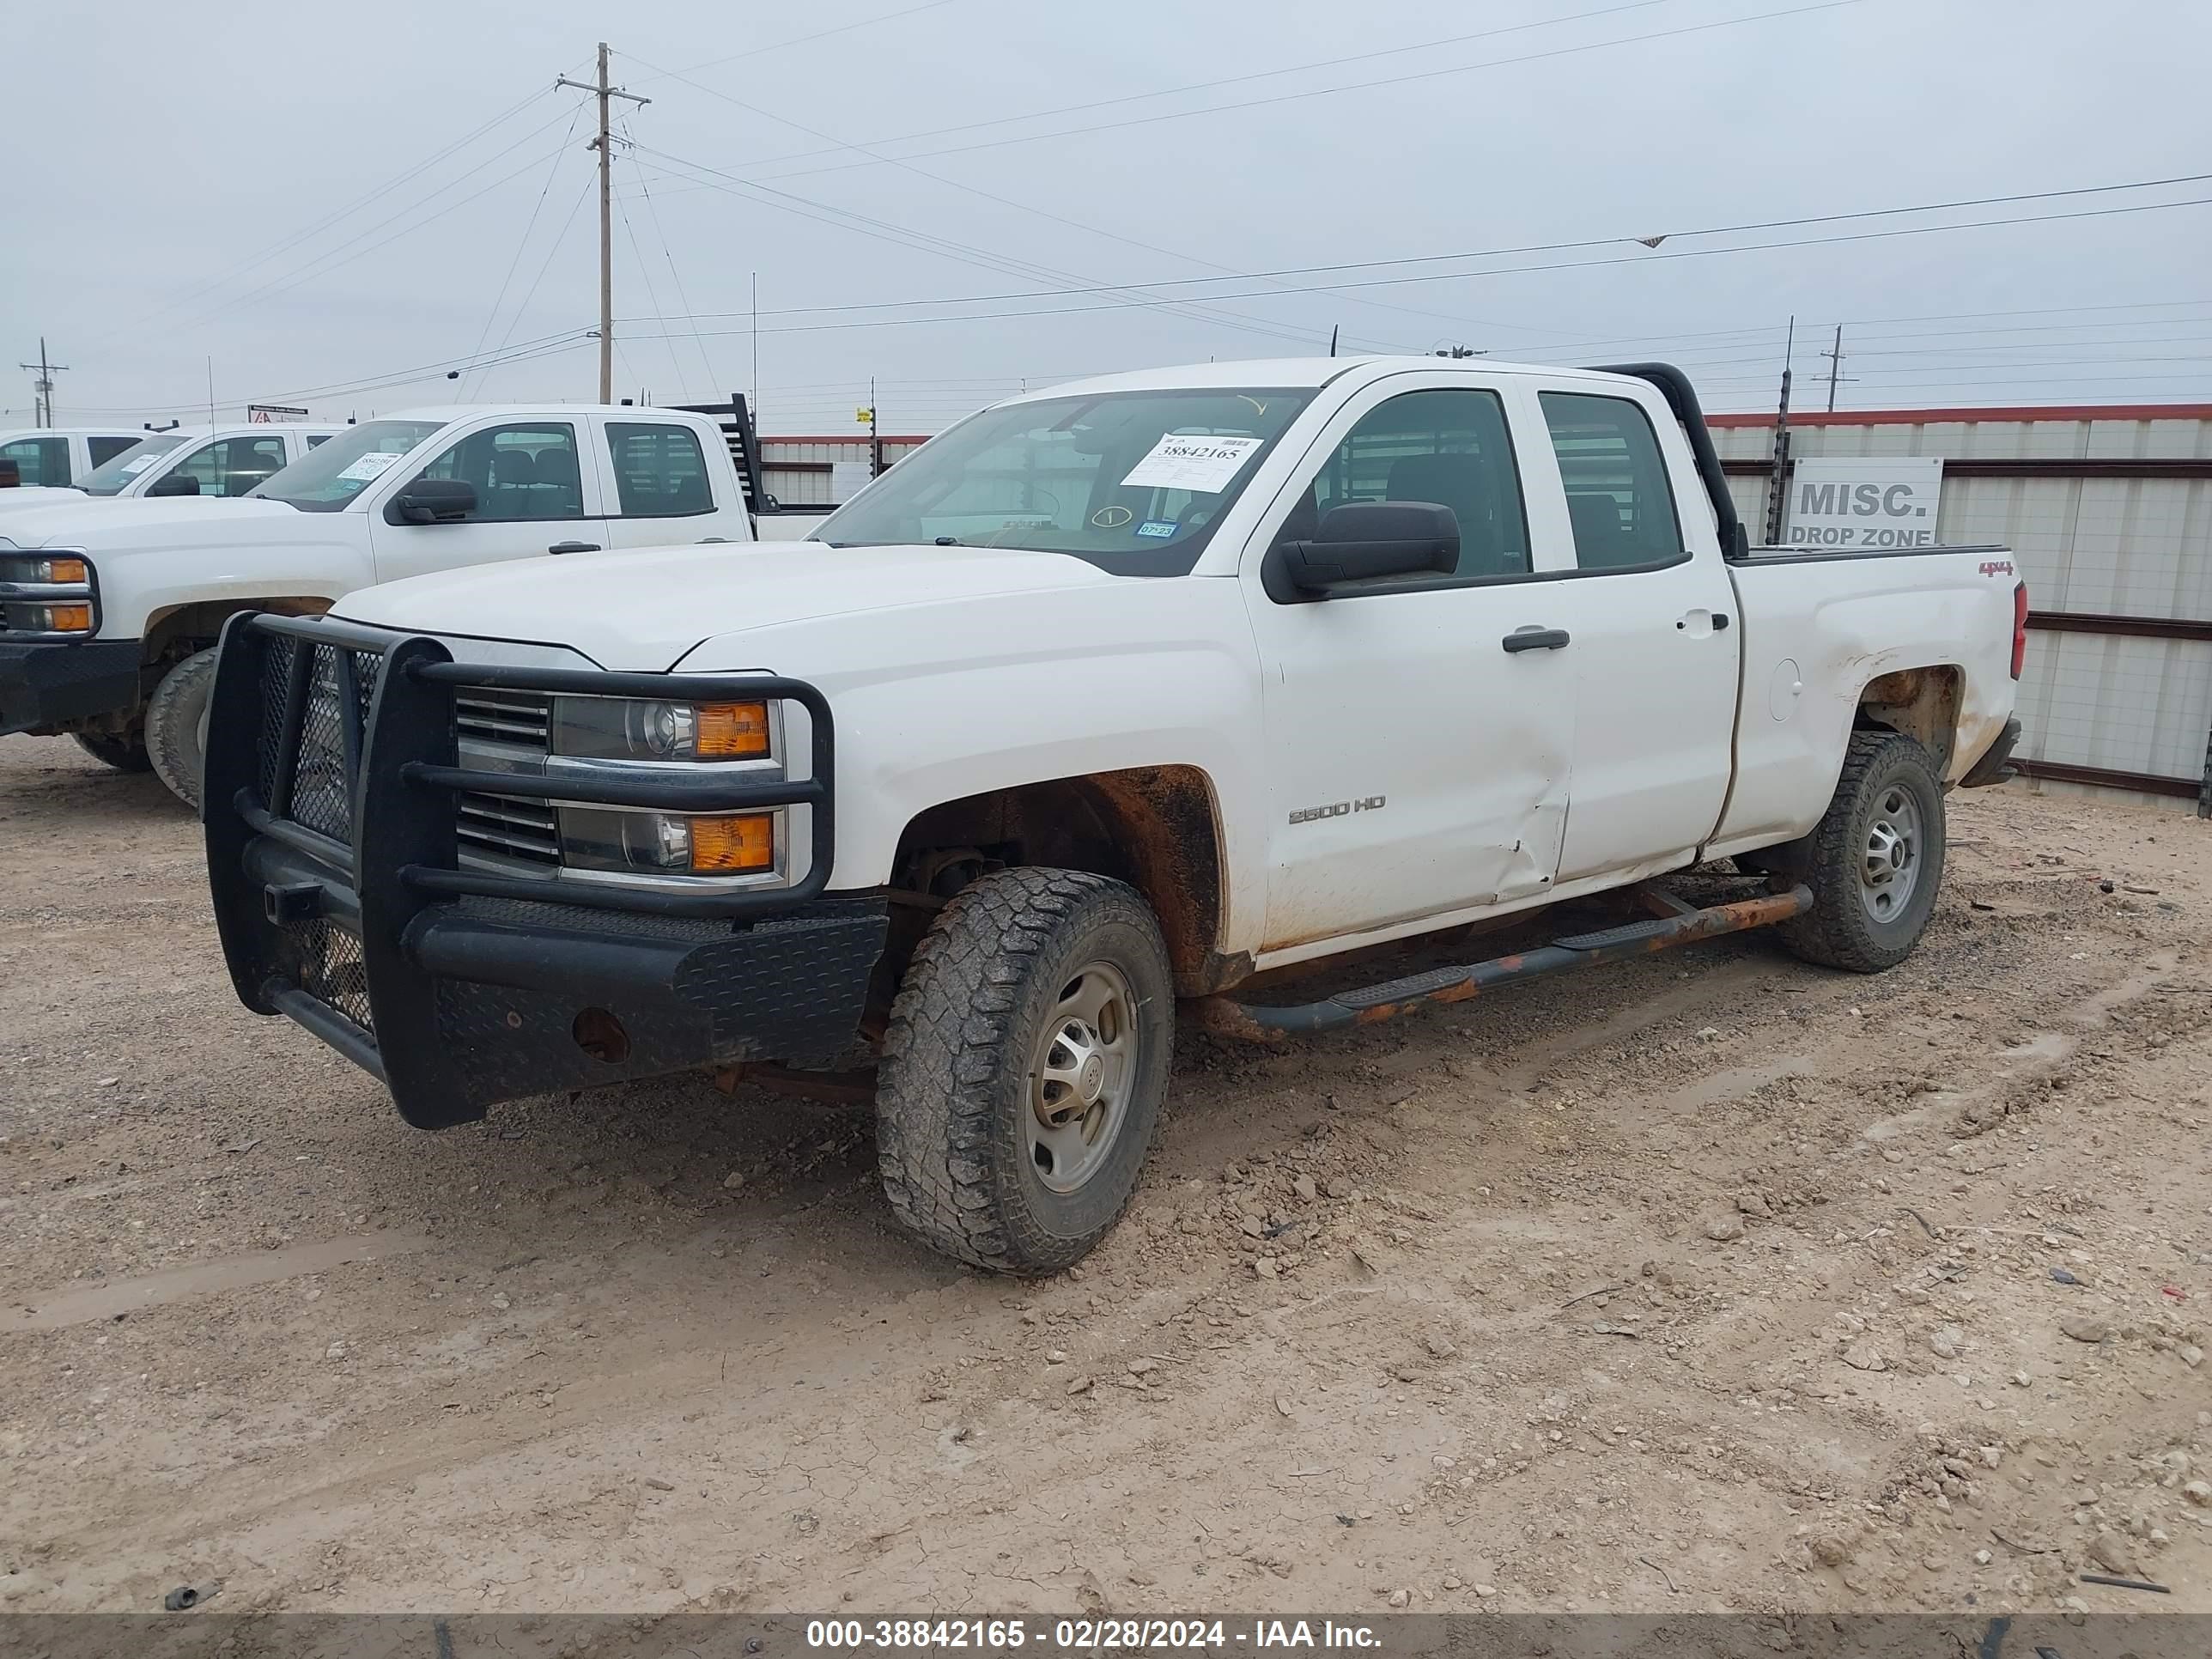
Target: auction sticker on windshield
(132,469)
(370,464)
(1201,466)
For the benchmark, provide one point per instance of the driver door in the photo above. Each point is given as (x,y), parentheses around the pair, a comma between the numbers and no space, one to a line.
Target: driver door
(1417,764)
(536,491)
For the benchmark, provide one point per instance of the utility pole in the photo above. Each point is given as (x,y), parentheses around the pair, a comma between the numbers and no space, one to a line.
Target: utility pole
(605,145)
(43,385)
(1835,356)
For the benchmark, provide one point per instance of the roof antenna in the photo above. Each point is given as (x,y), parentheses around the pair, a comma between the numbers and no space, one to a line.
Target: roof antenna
(1331,338)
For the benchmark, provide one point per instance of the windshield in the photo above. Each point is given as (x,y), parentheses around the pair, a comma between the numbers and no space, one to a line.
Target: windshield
(1134,481)
(113,476)
(329,476)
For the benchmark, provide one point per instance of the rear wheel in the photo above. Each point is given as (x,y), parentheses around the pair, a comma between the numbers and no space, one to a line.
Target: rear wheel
(1024,1070)
(124,754)
(1875,861)
(176,725)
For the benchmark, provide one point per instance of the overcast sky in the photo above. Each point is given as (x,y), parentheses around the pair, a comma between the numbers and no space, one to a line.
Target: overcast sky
(240,183)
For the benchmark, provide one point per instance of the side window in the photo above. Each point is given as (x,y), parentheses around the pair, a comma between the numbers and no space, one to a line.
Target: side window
(39,461)
(520,472)
(1448,446)
(231,466)
(314,438)
(103,450)
(659,471)
(1618,494)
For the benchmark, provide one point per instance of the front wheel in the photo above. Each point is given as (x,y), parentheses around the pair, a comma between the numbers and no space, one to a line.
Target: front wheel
(125,754)
(1874,861)
(1025,1067)
(176,725)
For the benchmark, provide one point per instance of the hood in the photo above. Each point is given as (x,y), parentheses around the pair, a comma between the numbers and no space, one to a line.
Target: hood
(133,521)
(643,610)
(23,497)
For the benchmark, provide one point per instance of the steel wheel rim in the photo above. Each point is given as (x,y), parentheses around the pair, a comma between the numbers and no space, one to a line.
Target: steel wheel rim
(1082,1073)
(1889,859)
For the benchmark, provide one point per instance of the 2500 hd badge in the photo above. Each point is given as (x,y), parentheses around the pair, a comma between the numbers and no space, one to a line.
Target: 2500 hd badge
(1337,809)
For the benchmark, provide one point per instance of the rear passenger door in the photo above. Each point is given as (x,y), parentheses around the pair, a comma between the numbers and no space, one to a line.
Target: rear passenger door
(1653,644)
(656,480)
(536,490)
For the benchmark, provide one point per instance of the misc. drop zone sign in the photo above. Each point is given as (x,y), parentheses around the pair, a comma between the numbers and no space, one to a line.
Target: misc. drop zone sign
(1885,502)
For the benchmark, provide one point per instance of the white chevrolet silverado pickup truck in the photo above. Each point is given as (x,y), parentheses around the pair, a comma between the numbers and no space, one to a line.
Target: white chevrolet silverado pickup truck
(110,609)
(49,456)
(202,460)
(1125,692)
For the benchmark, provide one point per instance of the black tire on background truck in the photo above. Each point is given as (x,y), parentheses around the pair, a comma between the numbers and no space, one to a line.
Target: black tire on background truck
(176,725)
(1025,1067)
(1874,862)
(124,754)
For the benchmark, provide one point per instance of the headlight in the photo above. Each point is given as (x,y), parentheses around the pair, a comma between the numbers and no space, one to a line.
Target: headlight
(667,843)
(615,728)
(50,618)
(45,593)
(23,569)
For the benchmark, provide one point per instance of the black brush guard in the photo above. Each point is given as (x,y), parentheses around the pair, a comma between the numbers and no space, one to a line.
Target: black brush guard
(331,783)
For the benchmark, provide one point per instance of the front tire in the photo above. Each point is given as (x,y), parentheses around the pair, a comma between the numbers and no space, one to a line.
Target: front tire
(124,754)
(176,725)
(1874,861)
(1024,1070)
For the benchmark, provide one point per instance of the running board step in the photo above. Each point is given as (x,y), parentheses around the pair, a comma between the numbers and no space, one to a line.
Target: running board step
(1372,1003)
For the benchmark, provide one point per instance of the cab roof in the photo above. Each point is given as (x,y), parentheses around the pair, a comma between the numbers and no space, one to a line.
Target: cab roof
(1286,372)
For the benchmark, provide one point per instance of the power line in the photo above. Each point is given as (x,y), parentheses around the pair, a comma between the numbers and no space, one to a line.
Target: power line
(1133,293)
(191,295)
(1552,247)
(1317,92)
(531,225)
(803,40)
(545,265)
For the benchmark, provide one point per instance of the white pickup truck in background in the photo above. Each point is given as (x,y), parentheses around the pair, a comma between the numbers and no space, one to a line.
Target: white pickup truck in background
(49,457)
(1124,692)
(202,460)
(110,609)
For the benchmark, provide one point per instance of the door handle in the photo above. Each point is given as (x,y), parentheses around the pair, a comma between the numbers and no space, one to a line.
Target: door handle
(575,547)
(1535,638)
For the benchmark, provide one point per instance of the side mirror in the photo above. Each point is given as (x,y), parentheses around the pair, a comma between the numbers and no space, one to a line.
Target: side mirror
(1363,542)
(433,500)
(11,474)
(177,484)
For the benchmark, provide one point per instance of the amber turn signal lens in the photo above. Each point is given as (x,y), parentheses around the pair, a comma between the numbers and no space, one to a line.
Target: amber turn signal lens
(66,570)
(733,846)
(731,731)
(68,619)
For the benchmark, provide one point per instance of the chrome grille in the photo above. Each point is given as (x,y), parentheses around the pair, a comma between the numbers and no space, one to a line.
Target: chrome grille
(521,720)
(501,827)
(504,731)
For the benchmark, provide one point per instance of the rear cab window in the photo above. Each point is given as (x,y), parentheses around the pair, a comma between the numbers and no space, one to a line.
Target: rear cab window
(103,450)
(660,471)
(1621,501)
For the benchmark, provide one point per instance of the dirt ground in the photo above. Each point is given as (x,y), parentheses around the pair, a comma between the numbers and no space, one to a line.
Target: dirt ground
(1715,1282)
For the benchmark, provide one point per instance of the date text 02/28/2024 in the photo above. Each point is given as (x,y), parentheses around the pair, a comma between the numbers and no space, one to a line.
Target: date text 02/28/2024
(1011,1635)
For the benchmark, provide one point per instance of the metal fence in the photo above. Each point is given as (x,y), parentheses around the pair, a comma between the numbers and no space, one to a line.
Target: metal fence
(2108,511)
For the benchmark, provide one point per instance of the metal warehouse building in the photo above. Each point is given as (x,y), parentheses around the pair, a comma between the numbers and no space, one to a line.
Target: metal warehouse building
(2108,511)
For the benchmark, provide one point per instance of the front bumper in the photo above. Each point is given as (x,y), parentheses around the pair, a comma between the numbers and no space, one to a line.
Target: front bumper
(332,784)
(43,685)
